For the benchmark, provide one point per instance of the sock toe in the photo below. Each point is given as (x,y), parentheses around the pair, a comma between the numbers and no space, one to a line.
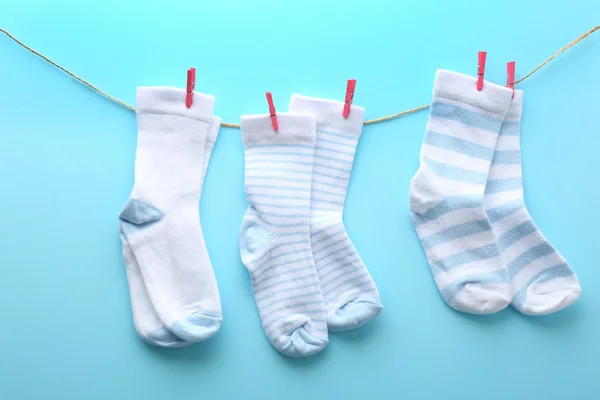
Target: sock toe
(482,298)
(197,326)
(354,313)
(300,343)
(547,303)
(162,337)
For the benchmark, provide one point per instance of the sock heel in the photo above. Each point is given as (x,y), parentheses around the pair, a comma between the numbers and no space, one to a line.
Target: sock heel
(254,242)
(138,215)
(423,197)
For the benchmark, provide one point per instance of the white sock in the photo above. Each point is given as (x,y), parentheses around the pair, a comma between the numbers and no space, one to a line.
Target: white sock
(146,321)
(275,234)
(446,194)
(351,297)
(542,281)
(161,223)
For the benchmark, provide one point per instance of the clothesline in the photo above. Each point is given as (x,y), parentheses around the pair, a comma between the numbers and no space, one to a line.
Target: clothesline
(236,126)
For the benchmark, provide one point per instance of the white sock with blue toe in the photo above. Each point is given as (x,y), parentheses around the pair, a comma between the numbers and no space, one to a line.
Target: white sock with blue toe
(275,234)
(542,281)
(351,297)
(446,193)
(146,321)
(161,222)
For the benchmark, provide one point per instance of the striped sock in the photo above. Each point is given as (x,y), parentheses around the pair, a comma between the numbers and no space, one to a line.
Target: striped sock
(541,280)
(446,194)
(351,297)
(275,234)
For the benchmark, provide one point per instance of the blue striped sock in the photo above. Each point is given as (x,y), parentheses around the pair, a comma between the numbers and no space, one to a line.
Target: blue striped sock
(542,281)
(275,234)
(446,194)
(351,297)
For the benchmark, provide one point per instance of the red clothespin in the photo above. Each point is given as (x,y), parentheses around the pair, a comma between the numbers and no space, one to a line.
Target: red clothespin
(349,97)
(272,112)
(191,85)
(480,69)
(510,77)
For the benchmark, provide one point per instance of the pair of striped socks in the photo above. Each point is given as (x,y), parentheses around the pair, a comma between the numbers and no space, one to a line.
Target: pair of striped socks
(467,206)
(307,277)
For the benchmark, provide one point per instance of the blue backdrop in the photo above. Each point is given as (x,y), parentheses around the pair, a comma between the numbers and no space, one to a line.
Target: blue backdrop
(66,170)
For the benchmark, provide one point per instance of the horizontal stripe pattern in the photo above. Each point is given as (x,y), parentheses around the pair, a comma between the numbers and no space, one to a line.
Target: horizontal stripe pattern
(454,159)
(455,232)
(275,240)
(447,207)
(503,185)
(468,138)
(462,257)
(496,213)
(506,157)
(530,259)
(468,117)
(510,129)
(459,130)
(343,275)
(460,146)
(455,173)
(505,171)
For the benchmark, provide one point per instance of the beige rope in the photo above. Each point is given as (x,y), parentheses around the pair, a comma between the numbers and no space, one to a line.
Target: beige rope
(232,125)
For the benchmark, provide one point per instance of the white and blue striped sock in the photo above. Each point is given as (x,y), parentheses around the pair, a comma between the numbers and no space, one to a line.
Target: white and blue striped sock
(275,234)
(446,194)
(542,281)
(351,297)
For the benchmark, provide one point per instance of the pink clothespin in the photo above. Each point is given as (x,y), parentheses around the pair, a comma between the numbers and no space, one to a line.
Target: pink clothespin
(191,85)
(272,112)
(349,97)
(480,69)
(510,76)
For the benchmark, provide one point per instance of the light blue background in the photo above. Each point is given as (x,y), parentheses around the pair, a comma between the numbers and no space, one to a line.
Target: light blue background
(66,169)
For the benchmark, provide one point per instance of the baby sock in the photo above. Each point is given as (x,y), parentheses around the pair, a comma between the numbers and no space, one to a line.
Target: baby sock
(541,280)
(275,236)
(351,297)
(161,222)
(446,194)
(146,321)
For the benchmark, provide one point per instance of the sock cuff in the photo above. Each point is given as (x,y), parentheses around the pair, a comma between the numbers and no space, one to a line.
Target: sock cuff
(329,114)
(293,129)
(213,128)
(492,98)
(168,100)
(516,108)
